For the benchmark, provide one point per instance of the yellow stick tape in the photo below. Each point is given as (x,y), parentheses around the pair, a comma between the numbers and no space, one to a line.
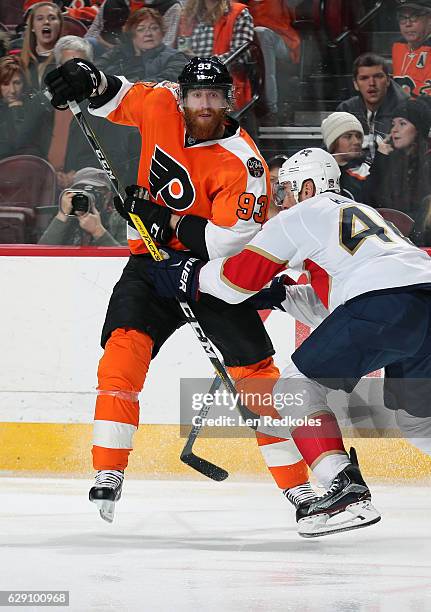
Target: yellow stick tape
(148,241)
(64,448)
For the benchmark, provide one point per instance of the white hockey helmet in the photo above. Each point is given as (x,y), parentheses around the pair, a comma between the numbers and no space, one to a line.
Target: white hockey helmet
(315,164)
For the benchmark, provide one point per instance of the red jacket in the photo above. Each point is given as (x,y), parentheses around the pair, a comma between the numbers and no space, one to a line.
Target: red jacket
(274,15)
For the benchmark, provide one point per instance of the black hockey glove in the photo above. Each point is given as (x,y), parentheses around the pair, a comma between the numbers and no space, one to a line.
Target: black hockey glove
(156,218)
(75,80)
(272,297)
(177,276)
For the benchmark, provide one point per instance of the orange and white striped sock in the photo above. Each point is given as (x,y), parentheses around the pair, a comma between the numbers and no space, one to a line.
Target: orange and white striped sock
(281,456)
(122,371)
(283,460)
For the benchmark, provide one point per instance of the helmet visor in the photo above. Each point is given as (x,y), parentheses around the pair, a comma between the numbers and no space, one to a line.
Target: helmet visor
(198,98)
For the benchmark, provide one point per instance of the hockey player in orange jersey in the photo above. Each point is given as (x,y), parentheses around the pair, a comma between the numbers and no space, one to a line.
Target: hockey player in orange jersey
(204,188)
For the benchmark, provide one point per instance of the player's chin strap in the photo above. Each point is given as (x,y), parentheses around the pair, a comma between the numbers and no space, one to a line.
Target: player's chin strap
(203,466)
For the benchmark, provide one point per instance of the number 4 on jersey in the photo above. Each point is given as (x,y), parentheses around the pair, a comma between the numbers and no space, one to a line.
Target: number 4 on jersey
(356,226)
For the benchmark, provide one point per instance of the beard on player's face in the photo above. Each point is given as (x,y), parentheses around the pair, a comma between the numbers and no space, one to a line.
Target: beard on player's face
(205,124)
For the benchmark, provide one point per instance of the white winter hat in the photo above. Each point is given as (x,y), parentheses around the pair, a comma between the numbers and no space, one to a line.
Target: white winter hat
(337,124)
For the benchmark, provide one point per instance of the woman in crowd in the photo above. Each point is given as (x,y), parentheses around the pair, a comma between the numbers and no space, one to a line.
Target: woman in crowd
(22,119)
(44,28)
(218,27)
(143,56)
(117,10)
(214,27)
(170,10)
(400,176)
(343,136)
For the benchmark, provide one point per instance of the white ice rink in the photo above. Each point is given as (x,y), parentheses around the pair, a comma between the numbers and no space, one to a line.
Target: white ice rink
(200,546)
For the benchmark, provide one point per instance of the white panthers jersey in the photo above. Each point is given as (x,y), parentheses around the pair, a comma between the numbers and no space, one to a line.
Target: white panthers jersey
(359,250)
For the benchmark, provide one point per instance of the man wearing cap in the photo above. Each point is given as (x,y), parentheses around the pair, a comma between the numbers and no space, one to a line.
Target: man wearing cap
(377,96)
(86,215)
(343,136)
(411,58)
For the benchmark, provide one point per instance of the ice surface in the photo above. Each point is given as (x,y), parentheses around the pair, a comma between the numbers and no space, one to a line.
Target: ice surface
(201,546)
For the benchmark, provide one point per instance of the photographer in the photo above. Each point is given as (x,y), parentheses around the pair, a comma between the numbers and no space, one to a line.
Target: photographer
(86,215)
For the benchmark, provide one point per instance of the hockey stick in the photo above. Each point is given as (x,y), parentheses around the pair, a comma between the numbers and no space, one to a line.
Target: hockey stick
(203,466)
(188,456)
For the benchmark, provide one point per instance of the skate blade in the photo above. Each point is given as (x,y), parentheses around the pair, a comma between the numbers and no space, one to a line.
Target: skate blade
(355,516)
(106,509)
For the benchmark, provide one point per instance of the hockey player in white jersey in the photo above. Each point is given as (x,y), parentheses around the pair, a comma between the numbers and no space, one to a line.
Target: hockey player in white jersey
(380,316)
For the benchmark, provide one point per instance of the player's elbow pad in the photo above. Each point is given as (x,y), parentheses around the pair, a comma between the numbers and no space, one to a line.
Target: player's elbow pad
(190,230)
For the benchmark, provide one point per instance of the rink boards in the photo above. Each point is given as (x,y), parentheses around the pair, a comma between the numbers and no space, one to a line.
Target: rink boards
(52,309)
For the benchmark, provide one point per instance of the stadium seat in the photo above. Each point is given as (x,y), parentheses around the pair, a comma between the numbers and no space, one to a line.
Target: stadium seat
(73,27)
(27,182)
(29,220)
(12,228)
(11,11)
(29,213)
(399,218)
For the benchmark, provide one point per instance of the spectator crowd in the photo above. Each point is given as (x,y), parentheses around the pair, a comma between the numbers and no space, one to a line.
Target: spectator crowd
(380,137)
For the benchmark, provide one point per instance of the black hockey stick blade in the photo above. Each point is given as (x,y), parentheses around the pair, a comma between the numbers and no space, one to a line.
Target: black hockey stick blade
(208,469)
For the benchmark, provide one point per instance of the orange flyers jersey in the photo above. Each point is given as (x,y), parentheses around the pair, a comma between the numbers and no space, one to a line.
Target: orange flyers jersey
(225,181)
(412,68)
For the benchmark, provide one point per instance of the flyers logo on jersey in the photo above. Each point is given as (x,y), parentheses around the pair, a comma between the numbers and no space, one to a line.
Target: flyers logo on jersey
(170,181)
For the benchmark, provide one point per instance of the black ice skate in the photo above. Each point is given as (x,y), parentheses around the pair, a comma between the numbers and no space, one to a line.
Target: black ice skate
(302,494)
(346,505)
(106,491)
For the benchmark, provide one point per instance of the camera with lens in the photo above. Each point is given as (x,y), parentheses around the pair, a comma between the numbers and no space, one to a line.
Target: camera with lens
(85,200)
